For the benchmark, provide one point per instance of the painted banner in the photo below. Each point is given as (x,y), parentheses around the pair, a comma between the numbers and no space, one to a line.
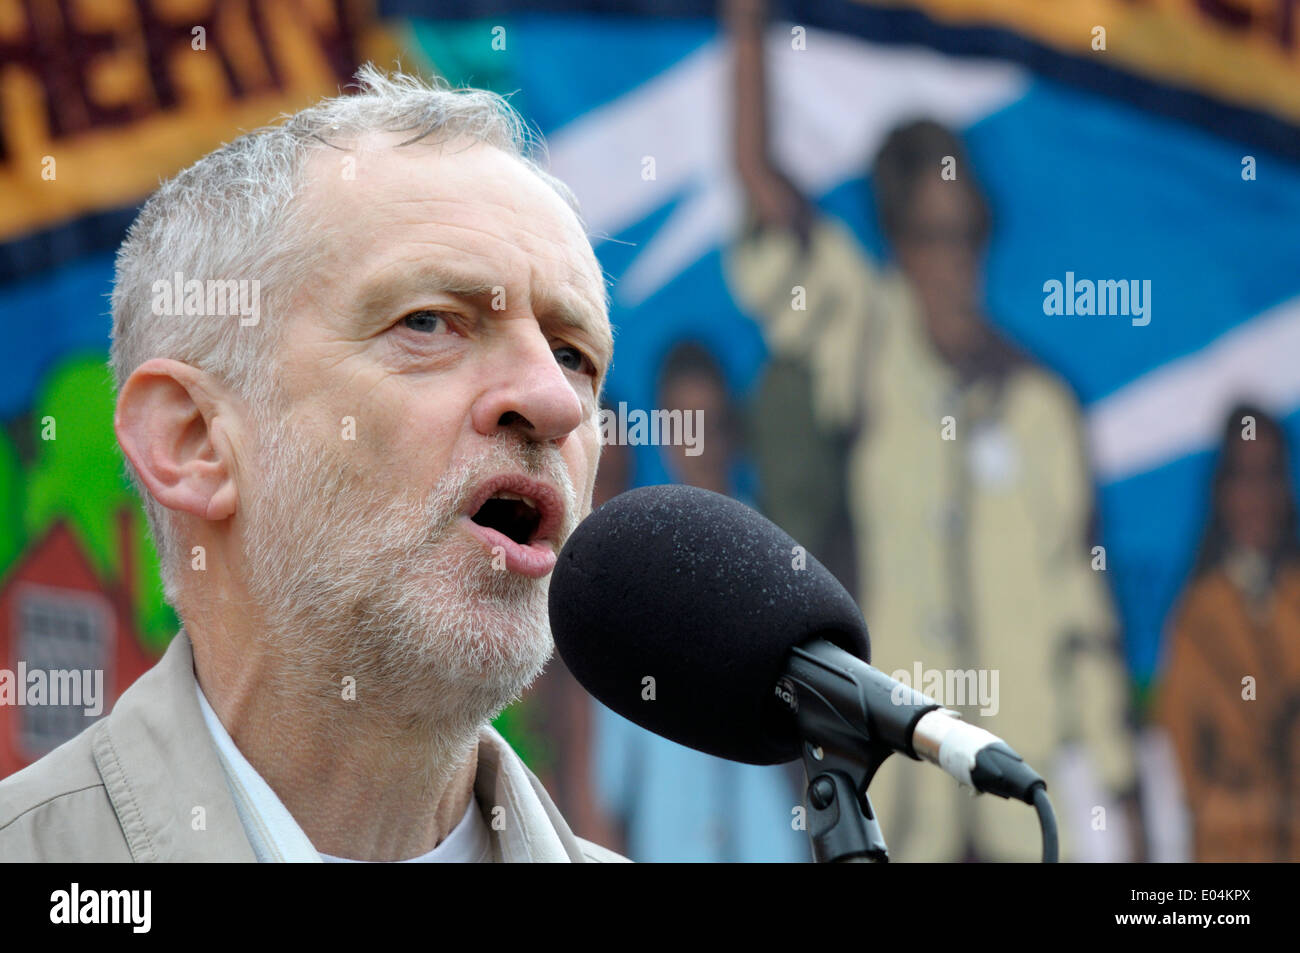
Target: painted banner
(1147,141)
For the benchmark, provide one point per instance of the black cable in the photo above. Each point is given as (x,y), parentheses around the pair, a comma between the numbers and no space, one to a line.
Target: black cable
(1047,821)
(999,770)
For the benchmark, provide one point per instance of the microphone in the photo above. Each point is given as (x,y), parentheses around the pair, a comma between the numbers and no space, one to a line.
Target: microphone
(851,694)
(700,620)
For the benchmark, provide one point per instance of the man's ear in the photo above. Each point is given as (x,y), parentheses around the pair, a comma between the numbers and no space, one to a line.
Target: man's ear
(173,427)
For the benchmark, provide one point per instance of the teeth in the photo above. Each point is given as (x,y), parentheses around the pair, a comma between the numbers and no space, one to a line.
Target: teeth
(503,495)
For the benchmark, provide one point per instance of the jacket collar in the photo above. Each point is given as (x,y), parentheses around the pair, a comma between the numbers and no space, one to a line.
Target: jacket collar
(525,825)
(162,772)
(166,782)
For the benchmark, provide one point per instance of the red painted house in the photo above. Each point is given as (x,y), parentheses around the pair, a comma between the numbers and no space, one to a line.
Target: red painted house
(57,613)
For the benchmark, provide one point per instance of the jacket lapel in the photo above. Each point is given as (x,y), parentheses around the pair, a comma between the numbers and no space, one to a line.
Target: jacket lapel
(162,771)
(525,825)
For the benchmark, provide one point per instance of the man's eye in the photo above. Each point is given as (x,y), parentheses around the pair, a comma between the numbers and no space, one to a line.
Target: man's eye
(426,322)
(570,358)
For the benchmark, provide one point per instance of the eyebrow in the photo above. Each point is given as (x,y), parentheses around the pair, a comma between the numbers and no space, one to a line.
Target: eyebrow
(381,295)
(567,310)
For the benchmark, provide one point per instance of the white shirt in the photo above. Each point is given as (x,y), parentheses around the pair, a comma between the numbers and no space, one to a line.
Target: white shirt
(467,843)
(276,836)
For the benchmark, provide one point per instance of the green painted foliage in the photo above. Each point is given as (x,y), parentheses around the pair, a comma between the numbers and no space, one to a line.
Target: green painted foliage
(79,475)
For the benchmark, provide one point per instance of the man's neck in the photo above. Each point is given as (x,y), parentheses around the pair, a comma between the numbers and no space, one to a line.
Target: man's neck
(362,781)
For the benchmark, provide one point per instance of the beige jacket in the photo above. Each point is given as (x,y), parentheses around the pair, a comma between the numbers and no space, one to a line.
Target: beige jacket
(126,789)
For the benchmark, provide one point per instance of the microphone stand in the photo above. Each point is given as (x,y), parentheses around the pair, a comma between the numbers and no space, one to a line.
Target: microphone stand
(841,822)
(841,754)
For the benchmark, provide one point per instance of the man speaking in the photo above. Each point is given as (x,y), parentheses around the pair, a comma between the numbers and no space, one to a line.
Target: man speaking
(358,479)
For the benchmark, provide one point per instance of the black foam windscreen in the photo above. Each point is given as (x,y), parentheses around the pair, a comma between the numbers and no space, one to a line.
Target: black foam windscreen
(677,608)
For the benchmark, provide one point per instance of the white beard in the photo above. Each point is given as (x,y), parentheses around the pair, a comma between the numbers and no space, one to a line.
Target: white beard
(359,581)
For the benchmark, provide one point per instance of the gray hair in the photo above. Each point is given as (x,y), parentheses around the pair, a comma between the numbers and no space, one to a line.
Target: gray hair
(234,214)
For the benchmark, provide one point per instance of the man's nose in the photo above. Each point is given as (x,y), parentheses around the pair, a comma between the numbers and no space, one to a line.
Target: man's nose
(526,390)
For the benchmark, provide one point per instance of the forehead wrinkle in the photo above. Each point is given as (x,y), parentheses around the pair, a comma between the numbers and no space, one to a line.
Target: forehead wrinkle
(380,293)
(507,197)
(510,224)
(503,235)
(499,263)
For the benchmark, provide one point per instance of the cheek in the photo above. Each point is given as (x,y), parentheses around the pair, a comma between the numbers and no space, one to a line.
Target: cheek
(418,435)
(392,431)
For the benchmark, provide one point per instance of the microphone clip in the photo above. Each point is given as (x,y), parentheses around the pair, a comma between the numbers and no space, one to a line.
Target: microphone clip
(841,822)
(837,701)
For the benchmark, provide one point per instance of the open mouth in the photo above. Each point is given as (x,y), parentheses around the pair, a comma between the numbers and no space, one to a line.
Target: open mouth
(519,520)
(513,515)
